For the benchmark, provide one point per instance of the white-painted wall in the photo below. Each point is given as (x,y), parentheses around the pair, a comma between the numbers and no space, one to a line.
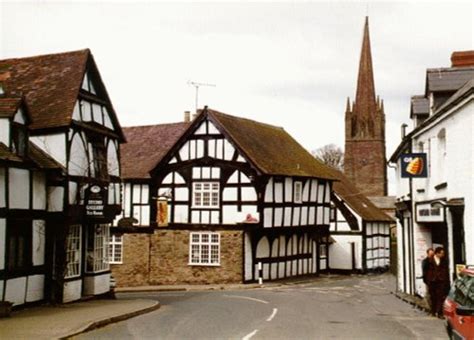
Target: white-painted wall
(15,290)
(5,131)
(340,253)
(19,184)
(98,284)
(38,242)
(72,290)
(54,145)
(39,190)
(78,164)
(55,198)
(35,291)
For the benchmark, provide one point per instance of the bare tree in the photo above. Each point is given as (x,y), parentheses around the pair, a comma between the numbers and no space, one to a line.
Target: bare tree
(331,155)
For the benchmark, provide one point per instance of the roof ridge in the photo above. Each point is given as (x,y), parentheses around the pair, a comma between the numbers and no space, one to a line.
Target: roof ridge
(449,69)
(246,119)
(85,50)
(152,125)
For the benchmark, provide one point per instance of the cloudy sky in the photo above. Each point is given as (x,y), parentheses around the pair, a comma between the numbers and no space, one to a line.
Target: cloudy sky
(291,64)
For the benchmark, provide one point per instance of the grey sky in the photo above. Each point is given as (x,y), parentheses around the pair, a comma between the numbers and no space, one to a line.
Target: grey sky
(290,64)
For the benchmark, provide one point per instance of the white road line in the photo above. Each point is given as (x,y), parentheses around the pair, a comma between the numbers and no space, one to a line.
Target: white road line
(270,318)
(246,298)
(248,336)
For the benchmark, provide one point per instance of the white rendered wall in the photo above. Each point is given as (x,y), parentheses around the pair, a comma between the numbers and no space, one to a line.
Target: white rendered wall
(19,184)
(38,242)
(3,185)
(39,191)
(15,290)
(54,145)
(78,164)
(340,256)
(72,290)
(35,291)
(3,229)
(97,284)
(5,131)
(55,198)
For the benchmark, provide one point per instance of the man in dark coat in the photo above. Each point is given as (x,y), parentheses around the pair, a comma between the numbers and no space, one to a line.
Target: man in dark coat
(425,264)
(438,281)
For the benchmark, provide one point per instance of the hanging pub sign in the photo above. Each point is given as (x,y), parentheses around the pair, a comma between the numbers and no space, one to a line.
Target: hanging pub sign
(414,165)
(162,212)
(95,201)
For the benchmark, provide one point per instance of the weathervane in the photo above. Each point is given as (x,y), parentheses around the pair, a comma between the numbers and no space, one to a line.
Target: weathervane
(197,85)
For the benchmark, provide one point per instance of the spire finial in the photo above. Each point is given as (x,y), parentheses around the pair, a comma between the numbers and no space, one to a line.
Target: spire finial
(348,105)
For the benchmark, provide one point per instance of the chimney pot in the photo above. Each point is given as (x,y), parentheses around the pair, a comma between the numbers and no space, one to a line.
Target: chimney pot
(462,59)
(187,116)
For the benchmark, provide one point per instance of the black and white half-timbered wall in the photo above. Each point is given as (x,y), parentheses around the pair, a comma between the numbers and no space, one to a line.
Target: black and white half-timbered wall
(360,232)
(226,196)
(72,202)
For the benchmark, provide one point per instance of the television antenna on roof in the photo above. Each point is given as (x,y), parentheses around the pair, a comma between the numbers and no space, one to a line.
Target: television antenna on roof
(197,85)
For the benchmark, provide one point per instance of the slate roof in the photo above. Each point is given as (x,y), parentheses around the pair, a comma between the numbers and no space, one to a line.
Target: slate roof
(447,79)
(420,105)
(146,146)
(358,202)
(270,148)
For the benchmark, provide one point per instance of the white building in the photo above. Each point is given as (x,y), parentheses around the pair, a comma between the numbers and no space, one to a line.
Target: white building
(438,210)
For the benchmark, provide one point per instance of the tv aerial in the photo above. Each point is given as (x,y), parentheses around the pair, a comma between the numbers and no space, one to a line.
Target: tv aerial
(197,86)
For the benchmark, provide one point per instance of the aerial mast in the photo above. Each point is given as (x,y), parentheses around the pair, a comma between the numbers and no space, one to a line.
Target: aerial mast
(197,85)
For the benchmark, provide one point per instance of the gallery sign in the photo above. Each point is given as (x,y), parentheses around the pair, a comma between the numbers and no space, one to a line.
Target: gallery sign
(95,200)
(413,165)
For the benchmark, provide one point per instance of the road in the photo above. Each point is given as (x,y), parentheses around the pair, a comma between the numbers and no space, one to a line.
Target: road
(356,307)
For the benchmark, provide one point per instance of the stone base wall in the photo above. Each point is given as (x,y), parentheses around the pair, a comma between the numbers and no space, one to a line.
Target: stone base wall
(162,259)
(134,269)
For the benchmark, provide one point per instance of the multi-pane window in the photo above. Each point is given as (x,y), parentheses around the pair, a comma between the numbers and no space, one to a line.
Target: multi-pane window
(97,235)
(204,249)
(206,195)
(298,192)
(73,251)
(116,249)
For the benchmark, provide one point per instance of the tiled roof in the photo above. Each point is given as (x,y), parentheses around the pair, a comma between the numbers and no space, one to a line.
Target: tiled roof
(9,106)
(358,202)
(146,146)
(7,155)
(271,149)
(49,83)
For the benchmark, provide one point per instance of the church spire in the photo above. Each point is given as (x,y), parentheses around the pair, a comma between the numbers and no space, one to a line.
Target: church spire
(365,103)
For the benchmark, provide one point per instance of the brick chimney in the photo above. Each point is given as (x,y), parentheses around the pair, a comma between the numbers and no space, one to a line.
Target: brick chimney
(462,59)
(187,116)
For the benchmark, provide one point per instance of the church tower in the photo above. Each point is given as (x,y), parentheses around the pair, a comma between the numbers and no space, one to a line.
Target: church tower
(364,158)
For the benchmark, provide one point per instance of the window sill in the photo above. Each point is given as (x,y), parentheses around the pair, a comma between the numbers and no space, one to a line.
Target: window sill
(205,264)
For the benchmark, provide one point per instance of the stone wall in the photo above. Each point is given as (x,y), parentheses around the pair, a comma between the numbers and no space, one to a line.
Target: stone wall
(170,258)
(134,269)
(162,259)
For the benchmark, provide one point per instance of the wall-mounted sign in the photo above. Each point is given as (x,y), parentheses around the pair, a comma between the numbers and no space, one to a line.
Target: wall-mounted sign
(95,200)
(427,212)
(414,165)
(162,212)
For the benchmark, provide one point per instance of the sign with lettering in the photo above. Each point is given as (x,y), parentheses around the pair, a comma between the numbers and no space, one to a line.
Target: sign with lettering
(413,165)
(427,212)
(95,201)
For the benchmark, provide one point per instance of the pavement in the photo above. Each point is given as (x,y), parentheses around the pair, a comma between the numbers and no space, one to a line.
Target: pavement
(67,320)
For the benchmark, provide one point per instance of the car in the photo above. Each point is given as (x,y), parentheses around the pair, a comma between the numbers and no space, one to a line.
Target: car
(458,308)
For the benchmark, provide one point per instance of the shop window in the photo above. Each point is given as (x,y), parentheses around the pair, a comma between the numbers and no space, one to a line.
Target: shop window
(116,249)
(204,249)
(97,236)
(73,251)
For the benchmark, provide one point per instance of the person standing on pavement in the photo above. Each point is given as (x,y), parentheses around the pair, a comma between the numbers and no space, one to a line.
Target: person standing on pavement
(425,264)
(438,281)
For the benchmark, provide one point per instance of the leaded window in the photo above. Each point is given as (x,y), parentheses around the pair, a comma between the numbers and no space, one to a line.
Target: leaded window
(116,249)
(97,237)
(73,251)
(206,195)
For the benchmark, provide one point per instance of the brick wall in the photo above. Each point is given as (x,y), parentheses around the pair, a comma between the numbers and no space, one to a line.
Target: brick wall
(168,253)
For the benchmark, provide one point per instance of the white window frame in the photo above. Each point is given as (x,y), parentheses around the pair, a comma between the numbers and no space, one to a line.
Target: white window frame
(73,251)
(204,249)
(298,192)
(115,247)
(99,251)
(199,191)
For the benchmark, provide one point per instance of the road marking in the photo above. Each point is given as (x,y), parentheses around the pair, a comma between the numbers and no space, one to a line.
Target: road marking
(248,336)
(246,298)
(275,310)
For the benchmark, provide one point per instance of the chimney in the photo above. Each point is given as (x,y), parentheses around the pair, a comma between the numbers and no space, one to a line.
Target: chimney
(187,116)
(404,130)
(462,59)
